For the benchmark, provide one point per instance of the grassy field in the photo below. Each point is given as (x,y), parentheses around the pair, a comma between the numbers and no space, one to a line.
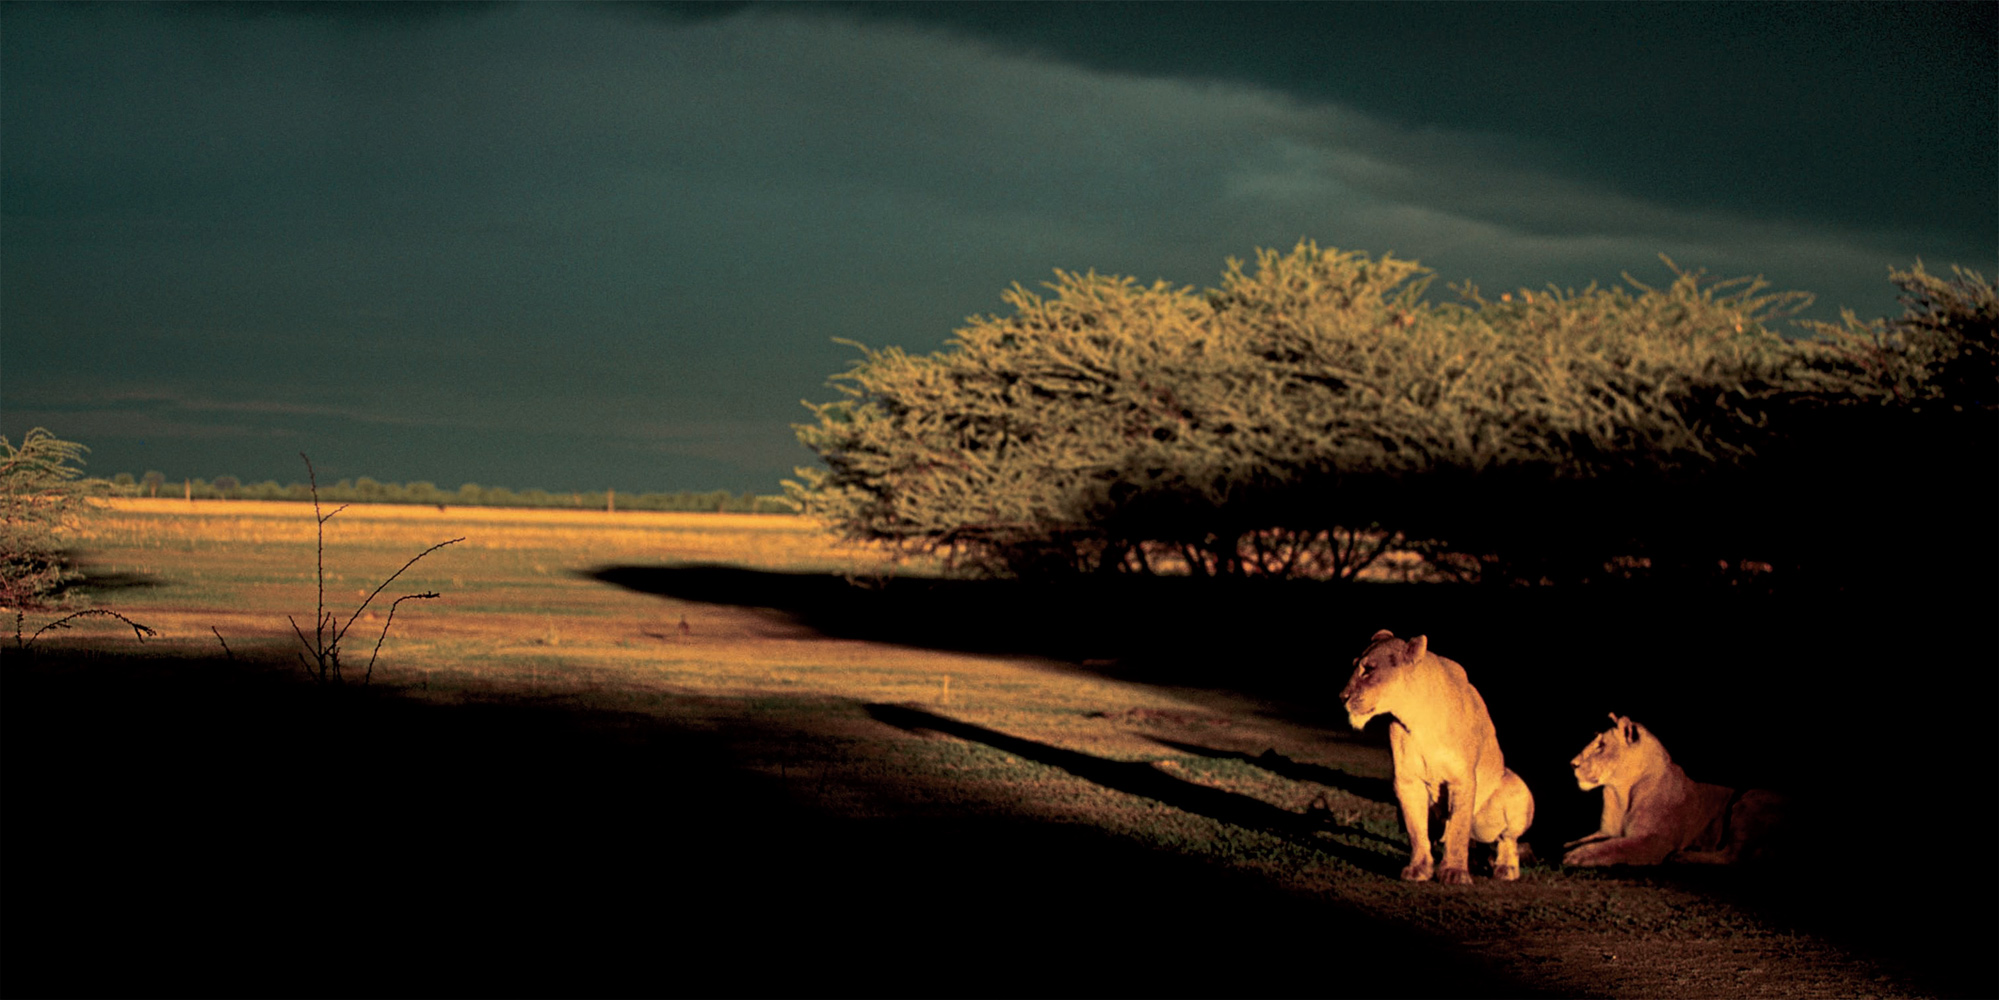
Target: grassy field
(648,752)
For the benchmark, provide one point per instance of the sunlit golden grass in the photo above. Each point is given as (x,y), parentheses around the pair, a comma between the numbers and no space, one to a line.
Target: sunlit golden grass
(759,540)
(517,610)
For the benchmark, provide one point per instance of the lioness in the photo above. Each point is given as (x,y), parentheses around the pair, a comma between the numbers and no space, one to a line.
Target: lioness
(1441,736)
(1653,812)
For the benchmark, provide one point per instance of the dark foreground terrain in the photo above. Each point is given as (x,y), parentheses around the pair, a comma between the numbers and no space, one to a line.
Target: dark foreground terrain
(180,825)
(196,828)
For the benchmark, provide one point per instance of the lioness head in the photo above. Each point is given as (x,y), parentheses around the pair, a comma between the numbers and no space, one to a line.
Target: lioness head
(1379,672)
(1618,755)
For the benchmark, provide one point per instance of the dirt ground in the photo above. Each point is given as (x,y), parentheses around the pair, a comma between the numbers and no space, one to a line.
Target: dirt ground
(602,763)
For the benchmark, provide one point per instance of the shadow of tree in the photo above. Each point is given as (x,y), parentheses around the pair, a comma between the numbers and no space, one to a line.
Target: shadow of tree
(101,581)
(1142,779)
(1175,627)
(1771,690)
(1549,662)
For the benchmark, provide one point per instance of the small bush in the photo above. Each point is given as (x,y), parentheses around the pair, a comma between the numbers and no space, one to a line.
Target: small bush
(41,492)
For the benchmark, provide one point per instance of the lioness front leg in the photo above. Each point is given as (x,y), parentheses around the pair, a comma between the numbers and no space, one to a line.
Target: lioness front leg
(1414,797)
(1619,851)
(1457,835)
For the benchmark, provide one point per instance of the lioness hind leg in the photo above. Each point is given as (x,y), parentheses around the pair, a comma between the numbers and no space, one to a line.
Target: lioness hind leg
(1506,860)
(1505,817)
(1757,826)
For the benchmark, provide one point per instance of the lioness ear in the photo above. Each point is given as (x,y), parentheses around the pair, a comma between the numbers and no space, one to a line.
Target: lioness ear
(1383,634)
(1629,729)
(1418,646)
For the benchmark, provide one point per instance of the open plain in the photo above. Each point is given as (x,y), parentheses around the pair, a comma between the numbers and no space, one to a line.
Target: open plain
(664,753)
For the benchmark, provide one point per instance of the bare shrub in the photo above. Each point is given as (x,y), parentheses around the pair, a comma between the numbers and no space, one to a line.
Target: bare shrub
(324,646)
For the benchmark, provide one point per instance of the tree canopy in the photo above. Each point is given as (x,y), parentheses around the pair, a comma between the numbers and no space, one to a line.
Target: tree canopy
(1316,410)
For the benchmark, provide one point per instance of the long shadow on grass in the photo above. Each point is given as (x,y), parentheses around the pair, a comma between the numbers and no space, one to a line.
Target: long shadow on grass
(1372,789)
(1142,779)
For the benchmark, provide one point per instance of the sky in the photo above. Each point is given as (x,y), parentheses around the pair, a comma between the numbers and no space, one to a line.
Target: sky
(580,246)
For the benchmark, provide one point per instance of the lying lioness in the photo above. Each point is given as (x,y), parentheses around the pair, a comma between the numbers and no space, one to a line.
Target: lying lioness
(1441,736)
(1653,812)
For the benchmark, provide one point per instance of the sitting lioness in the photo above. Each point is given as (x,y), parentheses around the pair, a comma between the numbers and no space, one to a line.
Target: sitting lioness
(1441,736)
(1653,812)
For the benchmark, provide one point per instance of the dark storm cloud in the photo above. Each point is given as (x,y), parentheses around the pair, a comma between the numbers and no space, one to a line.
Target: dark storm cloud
(1882,115)
(576,246)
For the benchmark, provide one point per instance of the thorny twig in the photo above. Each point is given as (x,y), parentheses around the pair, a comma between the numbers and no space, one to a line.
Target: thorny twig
(141,631)
(392,578)
(385,627)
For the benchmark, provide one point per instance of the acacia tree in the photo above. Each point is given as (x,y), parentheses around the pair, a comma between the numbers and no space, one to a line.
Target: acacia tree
(1307,414)
(41,490)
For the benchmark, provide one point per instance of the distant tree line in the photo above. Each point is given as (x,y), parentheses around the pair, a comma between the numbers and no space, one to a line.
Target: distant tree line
(1315,414)
(366,490)
(43,492)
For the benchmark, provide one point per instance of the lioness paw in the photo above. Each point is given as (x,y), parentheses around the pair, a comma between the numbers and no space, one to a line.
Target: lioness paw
(1455,876)
(1581,857)
(1417,872)
(1506,873)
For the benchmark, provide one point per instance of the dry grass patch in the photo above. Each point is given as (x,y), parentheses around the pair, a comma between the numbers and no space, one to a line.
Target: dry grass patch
(516,608)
